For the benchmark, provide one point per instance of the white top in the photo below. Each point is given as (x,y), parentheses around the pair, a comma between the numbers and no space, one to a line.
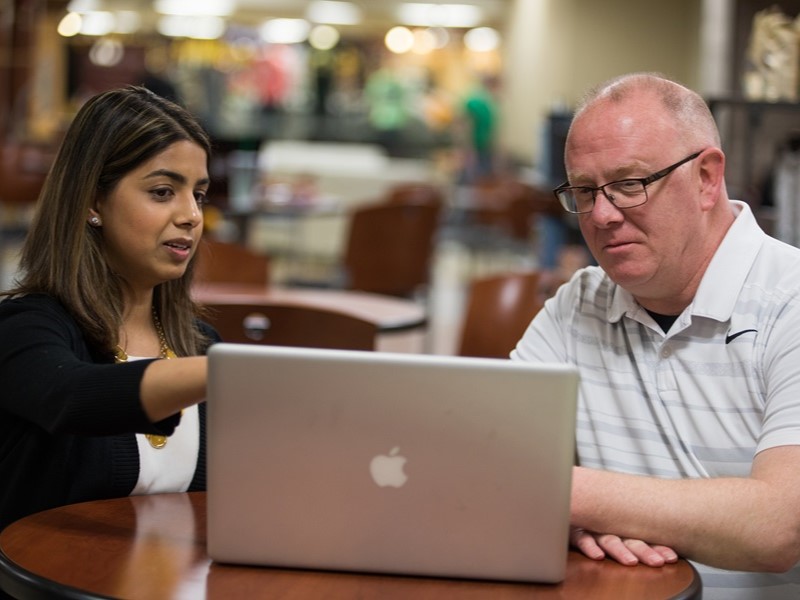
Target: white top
(172,467)
(700,400)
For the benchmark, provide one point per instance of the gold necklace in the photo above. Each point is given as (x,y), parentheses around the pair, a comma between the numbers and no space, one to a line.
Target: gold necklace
(120,356)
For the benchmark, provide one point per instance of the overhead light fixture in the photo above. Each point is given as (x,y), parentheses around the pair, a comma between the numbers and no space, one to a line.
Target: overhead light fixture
(323,37)
(70,25)
(199,28)
(210,8)
(333,13)
(439,15)
(106,52)
(399,39)
(424,41)
(83,6)
(127,21)
(285,31)
(84,17)
(482,39)
(97,23)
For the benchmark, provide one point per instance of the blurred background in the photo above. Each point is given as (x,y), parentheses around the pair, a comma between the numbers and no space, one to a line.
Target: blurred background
(331,104)
(366,70)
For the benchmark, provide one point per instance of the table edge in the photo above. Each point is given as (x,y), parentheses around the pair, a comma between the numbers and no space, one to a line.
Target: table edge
(695,589)
(24,584)
(29,586)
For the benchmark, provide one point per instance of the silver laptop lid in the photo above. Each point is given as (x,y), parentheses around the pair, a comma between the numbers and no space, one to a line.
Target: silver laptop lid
(392,463)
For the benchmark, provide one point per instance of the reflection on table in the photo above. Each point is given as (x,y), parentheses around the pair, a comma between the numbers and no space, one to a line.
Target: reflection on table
(155,547)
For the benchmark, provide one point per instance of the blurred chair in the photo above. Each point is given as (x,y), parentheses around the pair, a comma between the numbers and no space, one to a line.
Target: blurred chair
(390,248)
(290,325)
(23,170)
(226,262)
(499,310)
(415,193)
(499,216)
(525,203)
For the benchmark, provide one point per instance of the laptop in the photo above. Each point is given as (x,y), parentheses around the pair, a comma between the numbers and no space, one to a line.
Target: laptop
(389,463)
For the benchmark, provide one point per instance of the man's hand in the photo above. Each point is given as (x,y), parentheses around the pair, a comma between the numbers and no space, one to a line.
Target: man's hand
(625,551)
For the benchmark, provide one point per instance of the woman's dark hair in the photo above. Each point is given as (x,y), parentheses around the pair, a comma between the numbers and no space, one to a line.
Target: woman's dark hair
(63,256)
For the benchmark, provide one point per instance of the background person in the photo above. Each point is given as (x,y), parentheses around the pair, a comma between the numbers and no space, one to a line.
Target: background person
(685,336)
(105,276)
(480,125)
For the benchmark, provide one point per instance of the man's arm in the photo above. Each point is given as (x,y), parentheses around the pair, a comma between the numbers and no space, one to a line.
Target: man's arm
(746,524)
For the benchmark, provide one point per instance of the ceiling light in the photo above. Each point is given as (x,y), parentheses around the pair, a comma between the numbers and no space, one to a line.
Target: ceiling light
(70,25)
(323,37)
(199,28)
(106,52)
(285,31)
(439,15)
(83,6)
(482,39)
(127,21)
(424,41)
(213,8)
(97,23)
(399,39)
(334,13)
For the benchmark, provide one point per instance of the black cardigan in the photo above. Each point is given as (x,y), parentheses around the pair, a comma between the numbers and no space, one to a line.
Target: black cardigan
(68,416)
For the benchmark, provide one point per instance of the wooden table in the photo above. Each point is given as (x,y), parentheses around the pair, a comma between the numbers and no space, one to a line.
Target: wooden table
(154,547)
(388,313)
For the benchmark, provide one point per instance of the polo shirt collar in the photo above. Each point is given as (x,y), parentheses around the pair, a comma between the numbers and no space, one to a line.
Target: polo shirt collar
(723,279)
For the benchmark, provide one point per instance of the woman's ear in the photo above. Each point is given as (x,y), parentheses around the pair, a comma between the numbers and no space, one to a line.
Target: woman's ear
(94,218)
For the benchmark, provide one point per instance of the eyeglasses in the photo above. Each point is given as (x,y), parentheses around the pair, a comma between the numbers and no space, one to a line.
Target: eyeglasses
(625,193)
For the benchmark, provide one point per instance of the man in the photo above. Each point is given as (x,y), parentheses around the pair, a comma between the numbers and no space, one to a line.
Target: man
(687,339)
(481,115)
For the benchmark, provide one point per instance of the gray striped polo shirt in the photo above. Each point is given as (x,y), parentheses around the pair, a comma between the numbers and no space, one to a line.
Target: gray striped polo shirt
(699,401)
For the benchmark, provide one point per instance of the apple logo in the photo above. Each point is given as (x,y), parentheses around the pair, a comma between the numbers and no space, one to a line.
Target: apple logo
(387,469)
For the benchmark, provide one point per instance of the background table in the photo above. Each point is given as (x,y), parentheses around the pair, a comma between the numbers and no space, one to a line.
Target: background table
(155,547)
(388,313)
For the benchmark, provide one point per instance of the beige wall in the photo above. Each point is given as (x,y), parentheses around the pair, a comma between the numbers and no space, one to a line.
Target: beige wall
(555,49)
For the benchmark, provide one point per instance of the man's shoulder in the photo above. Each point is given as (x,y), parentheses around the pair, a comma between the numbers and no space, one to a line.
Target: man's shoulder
(776,268)
(589,289)
(592,280)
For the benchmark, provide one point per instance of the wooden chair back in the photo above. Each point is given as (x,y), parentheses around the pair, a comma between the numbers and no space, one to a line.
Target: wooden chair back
(289,325)
(23,169)
(415,193)
(390,247)
(513,206)
(499,309)
(227,262)
(525,204)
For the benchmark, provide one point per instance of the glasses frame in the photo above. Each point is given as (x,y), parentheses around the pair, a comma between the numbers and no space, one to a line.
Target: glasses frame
(645,181)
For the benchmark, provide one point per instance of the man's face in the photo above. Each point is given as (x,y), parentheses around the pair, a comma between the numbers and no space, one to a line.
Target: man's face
(651,249)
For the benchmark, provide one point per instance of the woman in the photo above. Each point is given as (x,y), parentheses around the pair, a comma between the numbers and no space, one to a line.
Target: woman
(87,409)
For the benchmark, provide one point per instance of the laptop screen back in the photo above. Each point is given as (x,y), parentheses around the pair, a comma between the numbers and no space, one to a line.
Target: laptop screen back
(389,463)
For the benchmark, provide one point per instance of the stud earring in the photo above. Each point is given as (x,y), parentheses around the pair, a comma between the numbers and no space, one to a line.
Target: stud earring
(94,221)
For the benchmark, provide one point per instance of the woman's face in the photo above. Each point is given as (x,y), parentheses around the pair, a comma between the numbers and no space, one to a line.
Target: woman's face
(151,222)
